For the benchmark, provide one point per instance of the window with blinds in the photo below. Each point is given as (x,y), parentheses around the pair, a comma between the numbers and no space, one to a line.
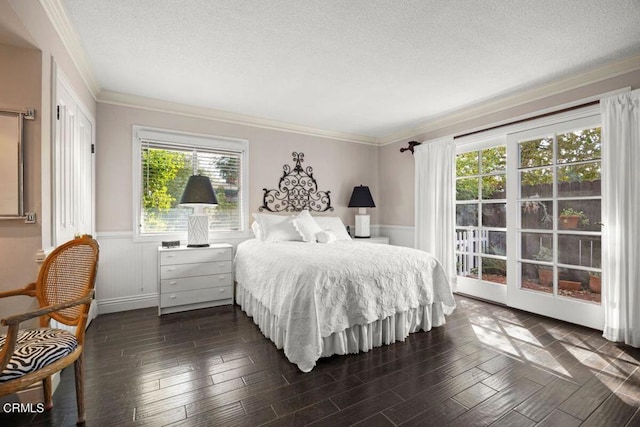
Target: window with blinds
(165,167)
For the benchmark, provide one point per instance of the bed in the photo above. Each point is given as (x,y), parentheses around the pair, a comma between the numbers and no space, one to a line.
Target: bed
(314,300)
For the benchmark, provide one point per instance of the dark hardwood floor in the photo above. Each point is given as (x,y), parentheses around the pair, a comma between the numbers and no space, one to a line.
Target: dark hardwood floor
(489,365)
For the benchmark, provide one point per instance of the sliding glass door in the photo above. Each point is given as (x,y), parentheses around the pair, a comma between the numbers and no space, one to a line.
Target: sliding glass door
(528,220)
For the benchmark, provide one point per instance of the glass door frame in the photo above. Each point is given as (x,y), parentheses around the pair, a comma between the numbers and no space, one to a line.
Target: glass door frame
(477,287)
(546,304)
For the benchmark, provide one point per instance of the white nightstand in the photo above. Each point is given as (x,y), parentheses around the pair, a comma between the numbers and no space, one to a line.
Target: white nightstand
(382,240)
(190,278)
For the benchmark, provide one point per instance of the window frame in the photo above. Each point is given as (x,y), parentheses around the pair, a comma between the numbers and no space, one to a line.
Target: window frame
(187,140)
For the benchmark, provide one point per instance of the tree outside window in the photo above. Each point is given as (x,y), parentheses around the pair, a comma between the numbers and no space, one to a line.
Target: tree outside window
(165,172)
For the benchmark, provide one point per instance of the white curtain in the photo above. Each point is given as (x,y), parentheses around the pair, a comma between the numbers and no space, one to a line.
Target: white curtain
(621,216)
(435,201)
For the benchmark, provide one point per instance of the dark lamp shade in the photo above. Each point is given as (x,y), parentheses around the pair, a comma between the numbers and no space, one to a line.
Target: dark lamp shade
(198,191)
(361,198)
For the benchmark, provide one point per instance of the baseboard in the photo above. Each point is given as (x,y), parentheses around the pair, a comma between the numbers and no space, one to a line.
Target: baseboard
(113,305)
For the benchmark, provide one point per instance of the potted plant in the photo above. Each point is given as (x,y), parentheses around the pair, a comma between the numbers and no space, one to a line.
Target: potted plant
(569,285)
(570,218)
(595,281)
(569,280)
(545,272)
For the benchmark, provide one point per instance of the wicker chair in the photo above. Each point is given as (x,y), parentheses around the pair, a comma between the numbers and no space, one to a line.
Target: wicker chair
(64,290)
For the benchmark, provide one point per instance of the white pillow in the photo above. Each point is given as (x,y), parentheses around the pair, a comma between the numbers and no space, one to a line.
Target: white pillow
(255,227)
(276,228)
(306,226)
(326,237)
(333,224)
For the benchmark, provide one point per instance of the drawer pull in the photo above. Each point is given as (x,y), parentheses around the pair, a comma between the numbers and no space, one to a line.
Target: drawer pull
(173,282)
(170,255)
(172,269)
(172,296)
(222,291)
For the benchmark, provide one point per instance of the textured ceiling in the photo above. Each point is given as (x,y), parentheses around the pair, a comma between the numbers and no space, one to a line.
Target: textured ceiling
(367,67)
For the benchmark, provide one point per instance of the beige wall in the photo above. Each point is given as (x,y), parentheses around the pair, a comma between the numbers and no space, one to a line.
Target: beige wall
(337,166)
(396,170)
(19,89)
(44,37)
(25,81)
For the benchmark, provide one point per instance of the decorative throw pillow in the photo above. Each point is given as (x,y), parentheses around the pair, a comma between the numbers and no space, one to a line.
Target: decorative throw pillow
(325,237)
(306,226)
(276,228)
(333,224)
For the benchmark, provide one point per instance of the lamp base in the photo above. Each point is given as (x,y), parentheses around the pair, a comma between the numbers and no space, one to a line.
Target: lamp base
(198,231)
(362,227)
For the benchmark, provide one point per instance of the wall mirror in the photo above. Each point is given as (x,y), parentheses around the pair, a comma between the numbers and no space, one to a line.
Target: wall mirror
(11,165)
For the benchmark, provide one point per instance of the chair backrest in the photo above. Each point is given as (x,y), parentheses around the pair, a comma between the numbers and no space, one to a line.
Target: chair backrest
(68,273)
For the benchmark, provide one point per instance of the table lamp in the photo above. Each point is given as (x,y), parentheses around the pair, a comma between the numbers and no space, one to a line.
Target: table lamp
(361,198)
(198,193)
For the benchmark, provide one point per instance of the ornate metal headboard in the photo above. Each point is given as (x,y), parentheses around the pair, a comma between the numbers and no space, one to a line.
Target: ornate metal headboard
(297,191)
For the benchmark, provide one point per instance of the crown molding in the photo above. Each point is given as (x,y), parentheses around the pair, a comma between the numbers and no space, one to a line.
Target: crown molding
(151,104)
(496,105)
(60,21)
(58,17)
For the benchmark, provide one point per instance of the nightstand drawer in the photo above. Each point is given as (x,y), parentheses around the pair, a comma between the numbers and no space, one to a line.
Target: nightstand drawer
(189,270)
(196,282)
(195,256)
(172,299)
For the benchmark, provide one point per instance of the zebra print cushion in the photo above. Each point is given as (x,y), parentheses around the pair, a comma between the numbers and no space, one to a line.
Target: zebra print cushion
(35,349)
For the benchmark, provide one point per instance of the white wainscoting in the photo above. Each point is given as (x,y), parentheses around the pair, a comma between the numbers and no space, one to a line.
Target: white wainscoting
(127,276)
(399,235)
(128,271)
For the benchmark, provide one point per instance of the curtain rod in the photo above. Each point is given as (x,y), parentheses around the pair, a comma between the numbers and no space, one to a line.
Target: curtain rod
(413,144)
(527,119)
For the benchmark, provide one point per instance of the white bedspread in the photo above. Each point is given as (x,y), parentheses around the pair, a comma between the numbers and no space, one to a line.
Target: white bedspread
(315,290)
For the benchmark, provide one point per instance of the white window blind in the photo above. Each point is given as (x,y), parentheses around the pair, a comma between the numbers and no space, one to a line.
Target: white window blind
(165,167)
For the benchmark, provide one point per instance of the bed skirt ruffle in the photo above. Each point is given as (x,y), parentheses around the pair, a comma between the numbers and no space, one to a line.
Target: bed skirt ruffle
(358,338)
